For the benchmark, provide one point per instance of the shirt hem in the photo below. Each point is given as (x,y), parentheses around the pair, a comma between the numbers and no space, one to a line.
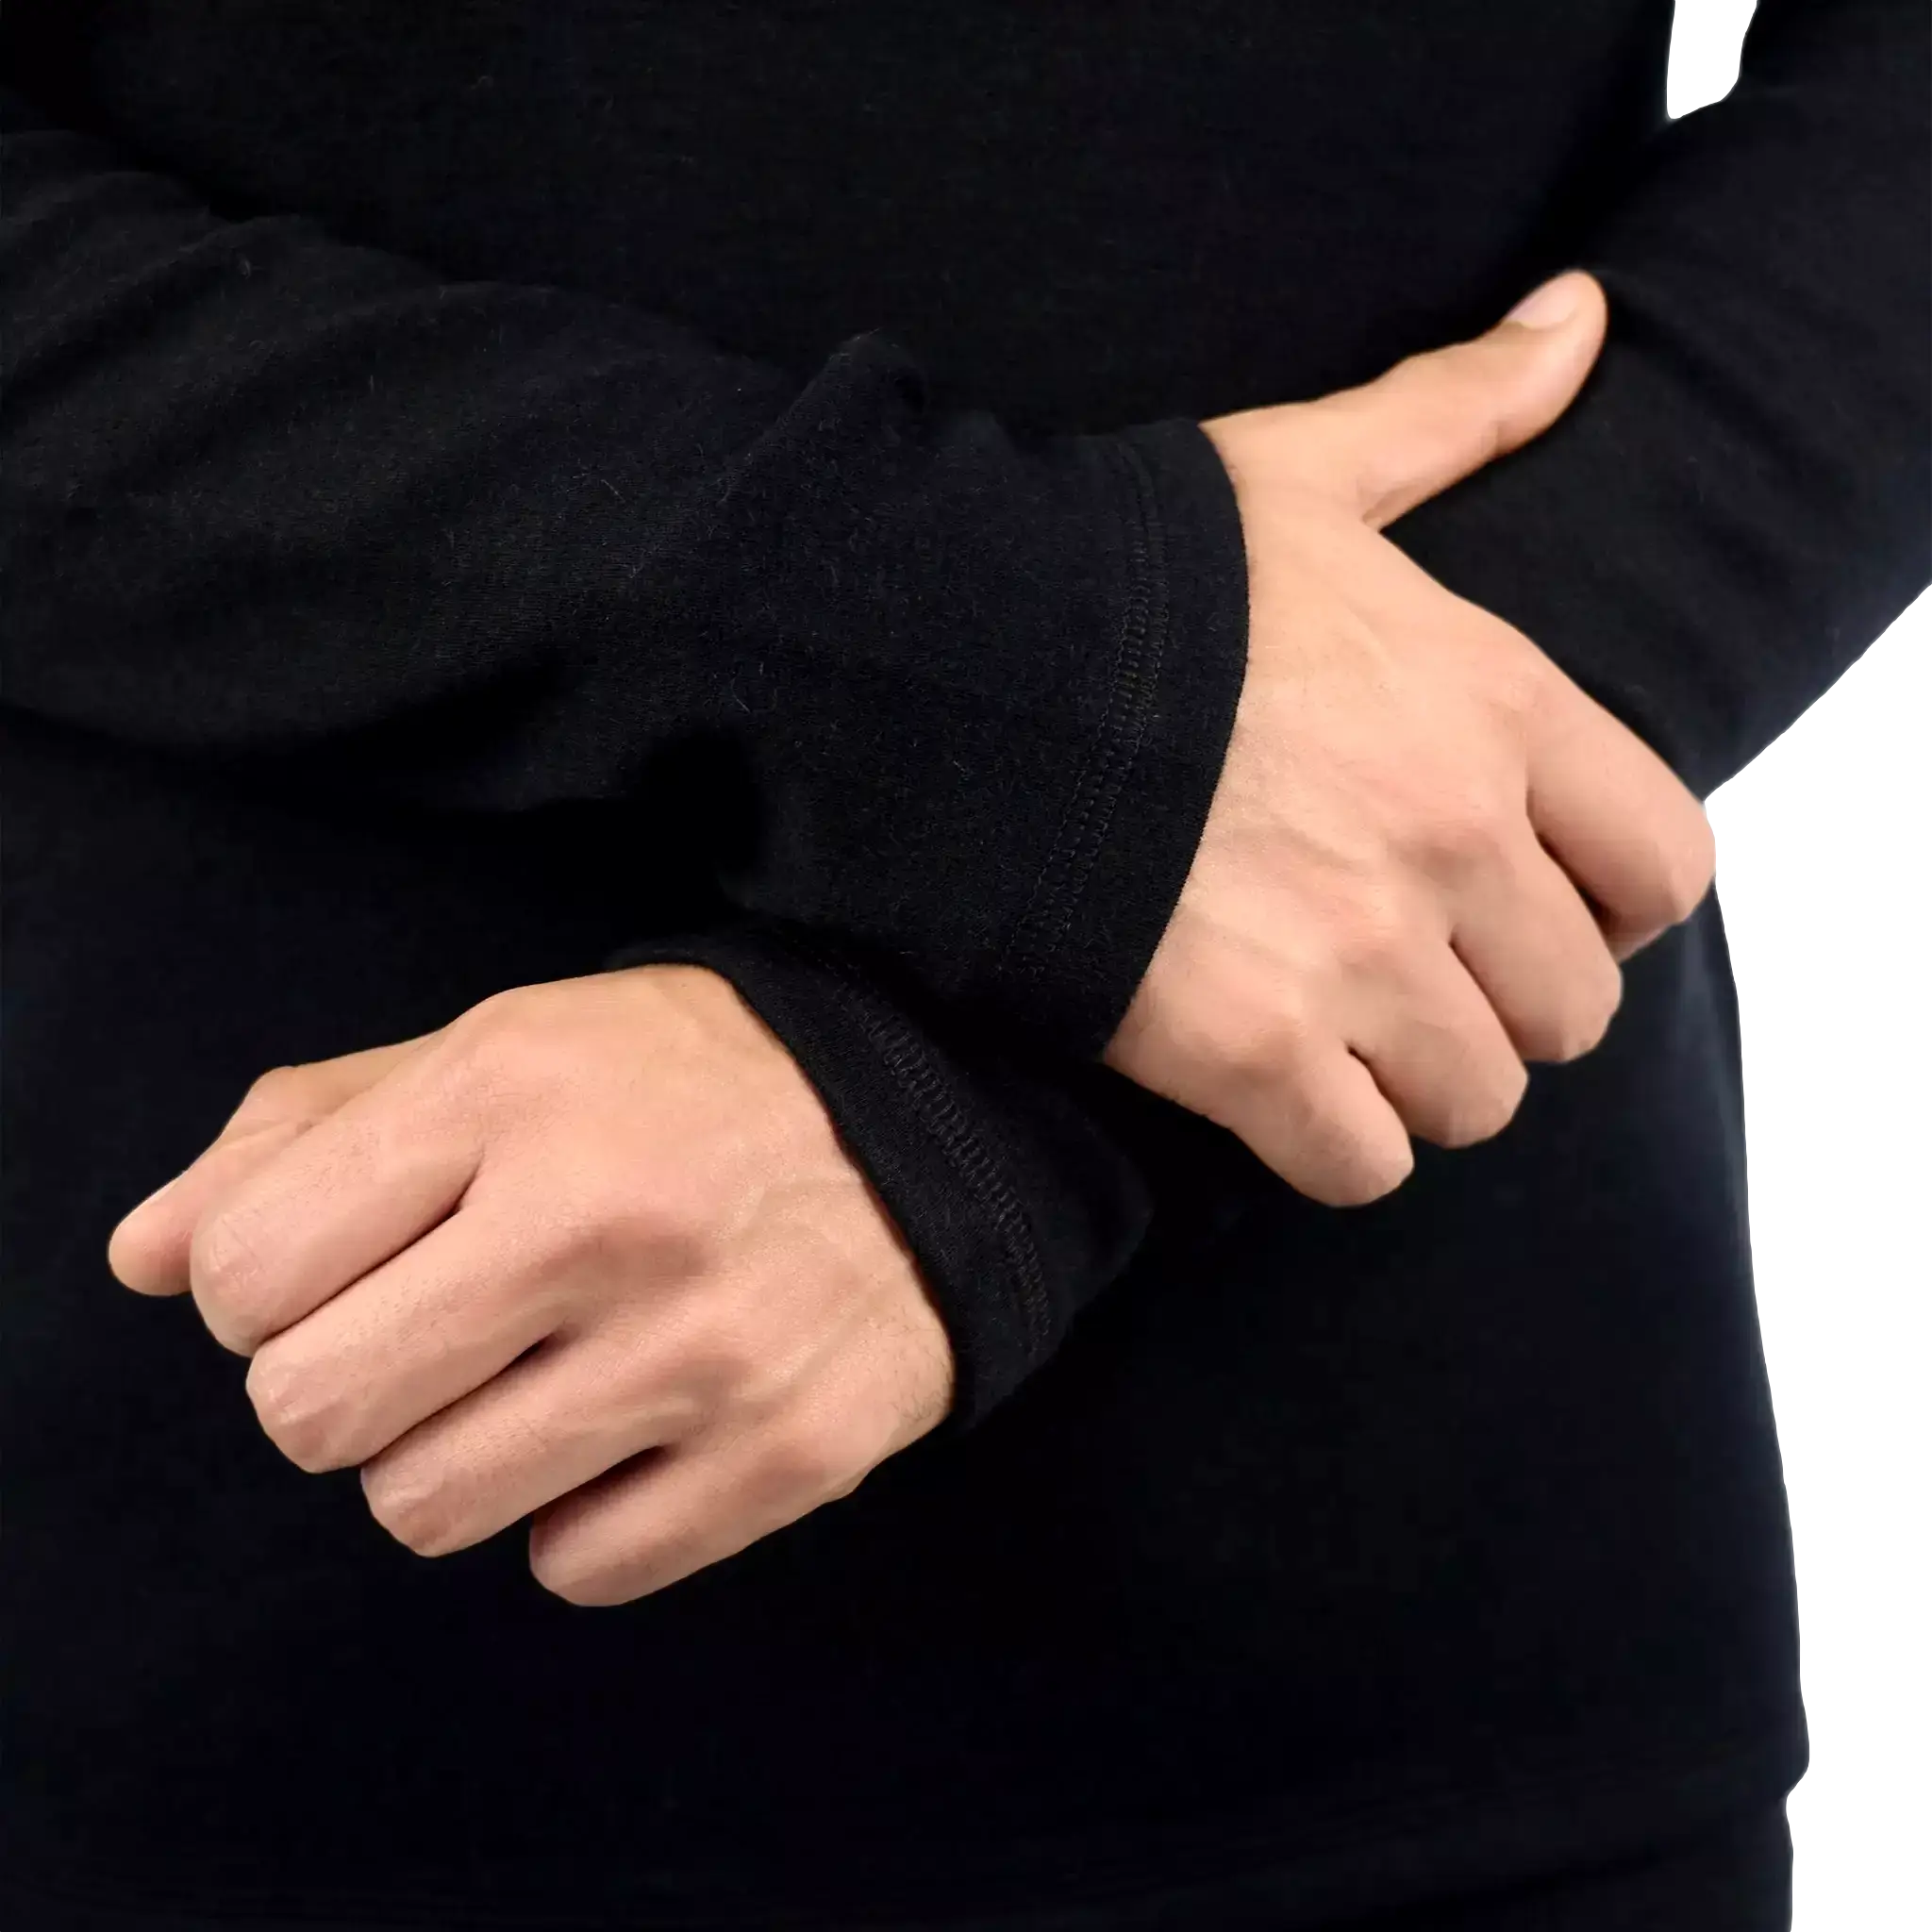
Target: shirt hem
(1370,1857)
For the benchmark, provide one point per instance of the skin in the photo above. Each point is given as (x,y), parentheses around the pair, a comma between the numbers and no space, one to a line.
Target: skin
(594,1251)
(594,1255)
(1429,848)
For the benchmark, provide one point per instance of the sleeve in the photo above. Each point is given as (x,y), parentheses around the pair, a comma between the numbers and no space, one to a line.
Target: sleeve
(1024,1183)
(1740,500)
(1735,507)
(276,501)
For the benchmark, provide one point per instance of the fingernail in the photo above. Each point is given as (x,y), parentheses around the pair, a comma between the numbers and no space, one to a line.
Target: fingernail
(1548,306)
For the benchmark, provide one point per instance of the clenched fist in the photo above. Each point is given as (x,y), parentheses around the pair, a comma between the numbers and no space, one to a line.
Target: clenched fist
(594,1251)
(1428,849)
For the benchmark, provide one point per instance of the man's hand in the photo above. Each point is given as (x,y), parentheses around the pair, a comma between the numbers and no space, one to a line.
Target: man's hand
(594,1251)
(1388,914)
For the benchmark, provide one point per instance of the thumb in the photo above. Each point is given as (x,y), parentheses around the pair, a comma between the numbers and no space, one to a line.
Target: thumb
(1436,417)
(1442,414)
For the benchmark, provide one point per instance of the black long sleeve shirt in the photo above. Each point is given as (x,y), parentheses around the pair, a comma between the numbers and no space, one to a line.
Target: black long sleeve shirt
(496,490)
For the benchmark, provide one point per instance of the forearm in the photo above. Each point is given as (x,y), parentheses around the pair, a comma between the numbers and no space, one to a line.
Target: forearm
(1738,502)
(282,503)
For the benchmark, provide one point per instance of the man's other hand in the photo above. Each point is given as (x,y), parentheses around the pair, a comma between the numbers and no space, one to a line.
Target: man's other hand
(1429,849)
(594,1251)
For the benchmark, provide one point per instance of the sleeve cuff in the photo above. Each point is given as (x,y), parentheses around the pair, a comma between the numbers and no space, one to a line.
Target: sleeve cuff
(1140,797)
(959,1169)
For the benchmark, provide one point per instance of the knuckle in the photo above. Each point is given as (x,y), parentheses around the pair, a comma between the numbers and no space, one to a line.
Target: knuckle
(1367,1181)
(1231,1043)
(1255,1066)
(1508,1088)
(1363,1170)
(1370,932)
(1586,1035)
(293,1414)
(1250,1044)
(1579,1024)
(1687,866)
(569,1568)
(1466,831)
(1519,677)
(281,1092)
(224,1257)
(665,1215)
(1679,862)
(562,1576)
(1577,1042)
(1570,1036)
(413,1506)
(509,1009)
(641,1216)
(1471,820)
(805,1460)
(230,1276)
(575,1565)
(717,1368)
(1482,1115)
(504,1039)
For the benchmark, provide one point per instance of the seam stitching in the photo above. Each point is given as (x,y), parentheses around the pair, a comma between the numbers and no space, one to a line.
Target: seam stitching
(933,1097)
(1042,925)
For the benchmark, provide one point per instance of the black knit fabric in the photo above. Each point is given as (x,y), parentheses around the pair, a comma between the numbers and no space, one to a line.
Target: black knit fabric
(493,546)
(494,493)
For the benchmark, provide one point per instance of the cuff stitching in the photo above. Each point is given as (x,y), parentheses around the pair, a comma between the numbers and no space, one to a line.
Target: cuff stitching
(925,1085)
(1042,925)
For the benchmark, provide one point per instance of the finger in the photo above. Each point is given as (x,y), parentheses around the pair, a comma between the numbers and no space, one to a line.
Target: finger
(554,1420)
(1439,1053)
(1438,417)
(1433,419)
(1626,945)
(148,1250)
(356,1188)
(1618,820)
(312,1088)
(649,1522)
(1324,1125)
(407,1342)
(1536,950)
